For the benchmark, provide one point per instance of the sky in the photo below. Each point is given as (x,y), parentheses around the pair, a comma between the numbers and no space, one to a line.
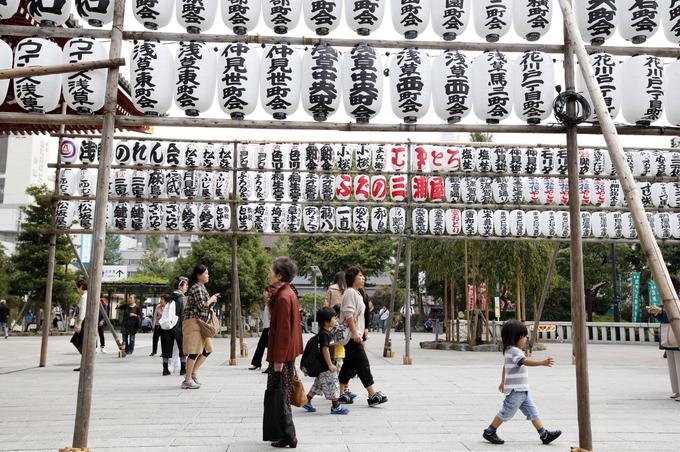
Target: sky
(386,31)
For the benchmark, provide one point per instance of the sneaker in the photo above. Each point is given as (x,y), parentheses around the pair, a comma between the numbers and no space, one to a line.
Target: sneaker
(492,438)
(309,408)
(675,396)
(103,350)
(350,394)
(194,378)
(191,384)
(338,410)
(377,399)
(548,437)
(344,398)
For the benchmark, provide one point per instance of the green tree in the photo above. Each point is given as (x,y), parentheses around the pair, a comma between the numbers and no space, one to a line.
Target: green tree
(154,261)
(112,250)
(5,272)
(333,254)
(31,256)
(215,253)
(481,137)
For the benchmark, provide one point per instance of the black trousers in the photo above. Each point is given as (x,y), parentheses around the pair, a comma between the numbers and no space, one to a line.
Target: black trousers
(156,337)
(355,363)
(100,330)
(168,339)
(259,351)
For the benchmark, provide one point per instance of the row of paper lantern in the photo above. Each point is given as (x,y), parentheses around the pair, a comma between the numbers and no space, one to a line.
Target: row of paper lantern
(379,158)
(293,218)
(296,186)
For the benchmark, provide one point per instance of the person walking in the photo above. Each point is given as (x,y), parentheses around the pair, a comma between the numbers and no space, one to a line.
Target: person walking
(29,320)
(384,316)
(669,343)
(4,318)
(132,316)
(356,361)
(284,346)
(101,324)
(156,325)
(256,362)
(195,345)
(171,325)
(77,338)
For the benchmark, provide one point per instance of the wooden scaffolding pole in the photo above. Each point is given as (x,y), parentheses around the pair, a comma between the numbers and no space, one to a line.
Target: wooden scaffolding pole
(387,348)
(408,360)
(81,427)
(445,302)
(34,71)
(650,248)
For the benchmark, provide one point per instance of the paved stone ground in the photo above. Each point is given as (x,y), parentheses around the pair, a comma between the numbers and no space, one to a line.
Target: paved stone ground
(441,403)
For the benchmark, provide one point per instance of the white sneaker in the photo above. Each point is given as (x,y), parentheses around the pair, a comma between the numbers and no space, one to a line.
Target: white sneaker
(189,384)
(103,350)
(96,350)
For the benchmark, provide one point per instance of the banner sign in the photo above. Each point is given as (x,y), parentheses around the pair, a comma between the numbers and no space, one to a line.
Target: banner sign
(635,289)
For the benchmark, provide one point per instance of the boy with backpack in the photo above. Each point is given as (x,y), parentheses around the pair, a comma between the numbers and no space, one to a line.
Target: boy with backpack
(317,361)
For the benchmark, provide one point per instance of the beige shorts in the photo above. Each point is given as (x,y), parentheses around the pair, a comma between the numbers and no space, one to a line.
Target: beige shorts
(192,341)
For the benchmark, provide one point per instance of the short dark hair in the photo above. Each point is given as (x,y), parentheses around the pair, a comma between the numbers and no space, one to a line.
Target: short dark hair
(163,297)
(198,271)
(284,267)
(82,284)
(324,315)
(512,332)
(351,274)
(336,308)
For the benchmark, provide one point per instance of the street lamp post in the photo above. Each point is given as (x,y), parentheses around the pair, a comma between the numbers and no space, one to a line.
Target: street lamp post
(316,271)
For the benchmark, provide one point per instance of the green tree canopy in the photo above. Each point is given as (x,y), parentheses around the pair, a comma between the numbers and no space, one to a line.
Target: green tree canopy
(154,261)
(5,272)
(112,250)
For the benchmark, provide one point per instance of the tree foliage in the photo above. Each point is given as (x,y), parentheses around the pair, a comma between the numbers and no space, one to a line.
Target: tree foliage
(154,261)
(5,272)
(112,250)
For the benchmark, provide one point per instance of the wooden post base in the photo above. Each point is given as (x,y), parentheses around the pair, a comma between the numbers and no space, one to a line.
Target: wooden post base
(408,360)
(73,449)
(388,353)
(233,362)
(578,449)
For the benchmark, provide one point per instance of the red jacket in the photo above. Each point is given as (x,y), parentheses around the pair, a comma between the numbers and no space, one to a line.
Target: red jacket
(285,330)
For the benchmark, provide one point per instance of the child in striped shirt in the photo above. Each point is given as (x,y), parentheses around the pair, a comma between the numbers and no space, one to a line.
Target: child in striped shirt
(515,384)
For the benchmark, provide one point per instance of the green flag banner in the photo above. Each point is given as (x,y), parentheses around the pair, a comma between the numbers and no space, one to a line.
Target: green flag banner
(635,288)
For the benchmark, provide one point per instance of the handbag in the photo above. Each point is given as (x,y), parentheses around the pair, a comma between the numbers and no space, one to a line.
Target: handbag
(341,334)
(668,339)
(298,396)
(277,419)
(169,317)
(211,327)
(77,341)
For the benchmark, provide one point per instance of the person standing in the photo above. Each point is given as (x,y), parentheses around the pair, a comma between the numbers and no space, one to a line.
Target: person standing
(77,339)
(132,315)
(156,325)
(333,299)
(384,316)
(171,324)
(666,343)
(101,324)
(256,363)
(29,320)
(196,346)
(284,346)
(4,318)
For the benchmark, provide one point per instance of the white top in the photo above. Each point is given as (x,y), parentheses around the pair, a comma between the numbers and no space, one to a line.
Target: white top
(384,313)
(267,314)
(82,306)
(516,373)
(353,306)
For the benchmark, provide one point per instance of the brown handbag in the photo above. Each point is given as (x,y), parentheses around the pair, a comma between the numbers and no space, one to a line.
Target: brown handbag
(298,396)
(211,327)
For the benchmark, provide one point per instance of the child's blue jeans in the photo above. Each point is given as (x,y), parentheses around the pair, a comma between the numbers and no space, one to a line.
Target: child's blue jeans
(518,400)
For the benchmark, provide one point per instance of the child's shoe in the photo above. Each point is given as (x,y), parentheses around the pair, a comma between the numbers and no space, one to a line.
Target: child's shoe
(344,398)
(548,437)
(492,437)
(350,394)
(309,407)
(338,410)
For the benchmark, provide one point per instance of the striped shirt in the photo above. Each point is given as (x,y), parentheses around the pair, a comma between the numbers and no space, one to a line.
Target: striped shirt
(516,373)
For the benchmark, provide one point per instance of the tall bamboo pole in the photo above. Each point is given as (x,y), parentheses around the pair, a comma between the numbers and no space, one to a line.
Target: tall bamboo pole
(84,404)
(234,298)
(387,348)
(578,314)
(544,293)
(34,71)
(407,307)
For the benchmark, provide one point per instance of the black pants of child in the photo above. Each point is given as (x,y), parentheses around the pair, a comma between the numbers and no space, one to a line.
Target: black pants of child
(355,363)
(259,351)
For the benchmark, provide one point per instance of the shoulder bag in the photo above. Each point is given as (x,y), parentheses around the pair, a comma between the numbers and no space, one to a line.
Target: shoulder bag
(211,327)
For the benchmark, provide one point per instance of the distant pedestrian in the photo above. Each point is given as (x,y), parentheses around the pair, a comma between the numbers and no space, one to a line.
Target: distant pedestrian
(256,362)
(156,325)
(333,300)
(667,343)
(384,316)
(78,333)
(101,324)
(326,382)
(132,318)
(171,325)
(284,346)
(196,346)
(4,318)
(29,320)
(515,384)
(356,361)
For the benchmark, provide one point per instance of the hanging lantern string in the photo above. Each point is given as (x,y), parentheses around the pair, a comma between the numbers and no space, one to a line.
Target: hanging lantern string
(583,109)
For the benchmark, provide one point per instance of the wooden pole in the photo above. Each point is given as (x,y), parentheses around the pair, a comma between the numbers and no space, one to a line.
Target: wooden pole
(544,293)
(34,71)
(234,299)
(518,295)
(408,360)
(466,293)
(578,318)
(83,407)
(524,299)
(387,348)
(445,302)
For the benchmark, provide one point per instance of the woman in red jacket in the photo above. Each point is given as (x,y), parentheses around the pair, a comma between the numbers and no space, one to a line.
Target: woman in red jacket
(285,343)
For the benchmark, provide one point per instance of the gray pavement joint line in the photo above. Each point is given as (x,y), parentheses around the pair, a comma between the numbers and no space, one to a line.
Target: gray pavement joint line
(18,370)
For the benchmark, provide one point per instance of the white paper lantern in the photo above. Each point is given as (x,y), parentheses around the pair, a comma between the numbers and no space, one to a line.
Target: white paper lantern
(139,183)
(614,225)
(532,18)
(123,152)
(608,74)
(196,15)
(360,219)
(532,189)
(675,225)
(598,224)
(501,223)
(379,220)
(322,16)
(281,80)
(121,182)
(532,221)
(8,8)
(141,152)
(453,221)
(362,187)
(238,83)
(151,77)
(223,185)
(84,90)
(222,217)
(311,190)
(561,161)
(452,189)
(500,188)
(138,216)
(173,184)
(642,81)
(195,74)
(310,219)
(153,14)
(645,193)
(281,15)
(436,159)
(420,221)
(596,20)
(469,222)
(293,218)
(598,192)
(49,12)
(436,188)
(628,226)
(64,211)
(673,191)
(241,16)
(189,217)
(597,163)
(516,187)
(586,224)
(397,220)
(190,183)
(96,12)
(562,225)
(157,151)
(670,20)
(156,184)
(613,195)
(362,82)
(244,185)
(410,17)
(321,84)
(87,182)
(398,188)
(206,217)
(493,18)
(547,190)
(86,214)
(484,190)
(37,94)
(327,219)
(638,20)
(562,192)
(585,161)
(672,91)
(485,222)
(378,157)
(436,221)
(5,63)
(362,157)
(450,18)
(294,186)
(468,190)
(660,164)
(68,151)
(675,164)
(548,224)
(67,183)
(206,185)
(278,185)
(327,187)
(175,154)
(155,216)
(364,16)
(121,216)
(172,216)
(468,159)
(517,223)
(534,83)
(451,77)
(343,187)
(343,219)
(483,161)
(491,92)
(398,157)
(659,193)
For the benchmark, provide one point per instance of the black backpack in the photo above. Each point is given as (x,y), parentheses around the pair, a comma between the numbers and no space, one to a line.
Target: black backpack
(310,363)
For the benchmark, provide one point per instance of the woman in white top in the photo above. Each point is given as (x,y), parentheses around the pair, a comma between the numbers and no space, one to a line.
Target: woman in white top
(77,339)
(356,361)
